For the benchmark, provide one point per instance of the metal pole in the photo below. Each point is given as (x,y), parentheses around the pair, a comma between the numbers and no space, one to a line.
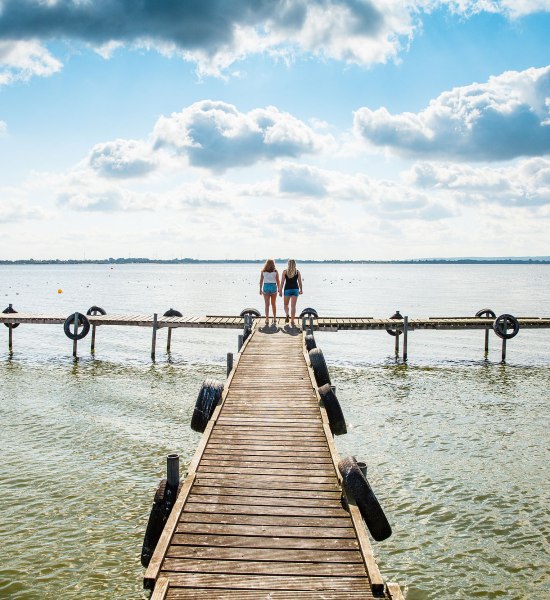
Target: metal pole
(229,362)
(363,468)
(311,324)
(405,336)
(92,347)
(10,339)
(240,342)
(505,328)
(173,471)
(486,342)
(75,333)
(168,340)
(154,340)
(303,323)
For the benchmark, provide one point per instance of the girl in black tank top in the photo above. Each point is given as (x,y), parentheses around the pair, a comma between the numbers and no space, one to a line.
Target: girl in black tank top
(292,282)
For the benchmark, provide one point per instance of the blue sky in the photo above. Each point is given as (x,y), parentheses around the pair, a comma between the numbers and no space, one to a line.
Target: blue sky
(321,129)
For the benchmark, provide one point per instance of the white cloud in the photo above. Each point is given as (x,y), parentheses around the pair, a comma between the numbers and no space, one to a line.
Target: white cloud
(216,136)
(524,184)
(3,128)
(15,206)
(122,158)
(507,117)
(22,60)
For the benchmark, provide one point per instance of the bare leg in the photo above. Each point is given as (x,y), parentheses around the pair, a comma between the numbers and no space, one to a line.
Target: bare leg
(266,300)
(293,300)
(287,298)
(274,305)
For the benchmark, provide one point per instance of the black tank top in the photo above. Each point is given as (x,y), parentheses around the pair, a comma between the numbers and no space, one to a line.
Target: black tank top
(291,283)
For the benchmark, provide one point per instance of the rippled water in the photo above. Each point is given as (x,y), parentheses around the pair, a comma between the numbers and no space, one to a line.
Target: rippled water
(457,446)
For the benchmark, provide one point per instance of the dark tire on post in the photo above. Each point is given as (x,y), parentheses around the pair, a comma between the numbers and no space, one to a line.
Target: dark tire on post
(10,311)
(310,342)
(399,316)
(486,313)
(358,488)
(172,312)
(95,310)
(164,500)
(309,312)
(319,366)
(498,326)
(209,396)
(250,311)
(82,322)
(335,415)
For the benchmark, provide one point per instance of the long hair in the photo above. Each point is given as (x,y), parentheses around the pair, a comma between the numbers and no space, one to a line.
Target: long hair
(269,266)
(291,269)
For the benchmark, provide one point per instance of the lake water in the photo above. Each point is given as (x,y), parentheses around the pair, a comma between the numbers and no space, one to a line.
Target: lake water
(457,446)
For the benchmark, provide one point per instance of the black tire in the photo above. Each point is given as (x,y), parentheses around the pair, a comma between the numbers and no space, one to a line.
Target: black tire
(207,400)
(498,326)
(172,312)
(309,312)
(335,415)
(95,310)
(319,367)
(250,311)
(82,322)
(10,311)
(163,502)
(358,488)
(486,313)
(310,342)
(399,316)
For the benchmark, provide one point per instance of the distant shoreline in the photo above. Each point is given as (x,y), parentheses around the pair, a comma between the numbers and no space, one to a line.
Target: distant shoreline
(192,261)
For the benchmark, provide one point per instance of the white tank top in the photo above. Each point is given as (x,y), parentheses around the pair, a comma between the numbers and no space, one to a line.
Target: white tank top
(270,277)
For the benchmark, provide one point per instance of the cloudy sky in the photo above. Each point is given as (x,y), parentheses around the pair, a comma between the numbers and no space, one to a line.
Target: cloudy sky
(360,129)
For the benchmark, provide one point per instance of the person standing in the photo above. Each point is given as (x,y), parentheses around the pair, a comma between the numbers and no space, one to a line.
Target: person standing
(269,286)
(292,282)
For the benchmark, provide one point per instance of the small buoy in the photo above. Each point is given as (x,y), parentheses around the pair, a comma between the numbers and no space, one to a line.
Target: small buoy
(60,291)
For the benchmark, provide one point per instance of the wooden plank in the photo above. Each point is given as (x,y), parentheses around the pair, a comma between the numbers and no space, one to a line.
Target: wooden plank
(196,505)
(260,582)
(266,554)
(161,589)
(280,493)
(282,521)
(271,501)
(266,530)
(268,594)
(264,541)
(254,567)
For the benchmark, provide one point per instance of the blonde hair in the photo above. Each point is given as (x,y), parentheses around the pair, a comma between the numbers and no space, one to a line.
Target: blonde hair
(269,266)
(291,269)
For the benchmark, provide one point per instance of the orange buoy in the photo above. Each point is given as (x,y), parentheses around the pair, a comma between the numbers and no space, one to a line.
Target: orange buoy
(60,291)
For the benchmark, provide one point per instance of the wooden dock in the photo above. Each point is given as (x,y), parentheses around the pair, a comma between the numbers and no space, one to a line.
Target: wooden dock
(259,514)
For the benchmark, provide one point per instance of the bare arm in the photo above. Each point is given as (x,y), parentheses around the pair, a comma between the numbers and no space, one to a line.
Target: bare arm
(261,281)
(281,286)
(300,283)
(278,283)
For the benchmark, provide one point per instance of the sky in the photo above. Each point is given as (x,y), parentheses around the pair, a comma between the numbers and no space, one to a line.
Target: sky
(315,129)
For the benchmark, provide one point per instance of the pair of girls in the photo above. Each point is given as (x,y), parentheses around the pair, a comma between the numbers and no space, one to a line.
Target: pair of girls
(290,284)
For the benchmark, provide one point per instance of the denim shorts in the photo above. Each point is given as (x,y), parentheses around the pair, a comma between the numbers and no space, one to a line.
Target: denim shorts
(270,288)
(292,292)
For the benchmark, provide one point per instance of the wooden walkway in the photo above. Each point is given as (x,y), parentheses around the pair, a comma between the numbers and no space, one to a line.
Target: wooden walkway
(236,322)
(259,514)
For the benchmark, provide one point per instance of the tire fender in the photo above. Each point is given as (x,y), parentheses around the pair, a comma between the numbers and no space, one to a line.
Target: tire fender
(335,415)
(68,326)
(319,366)
(207,400)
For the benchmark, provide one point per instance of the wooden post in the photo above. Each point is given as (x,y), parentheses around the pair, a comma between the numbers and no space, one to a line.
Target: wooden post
(154,339)
(396,343)
(405,336)
(168,340)
(505,329)
(303,323)
(75,333)
(240,342)
(10,339)
(229,362)
(92,347)
(486,342)
(311,324)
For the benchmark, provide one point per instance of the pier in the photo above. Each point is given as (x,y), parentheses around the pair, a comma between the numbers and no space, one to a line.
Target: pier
(263,512)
